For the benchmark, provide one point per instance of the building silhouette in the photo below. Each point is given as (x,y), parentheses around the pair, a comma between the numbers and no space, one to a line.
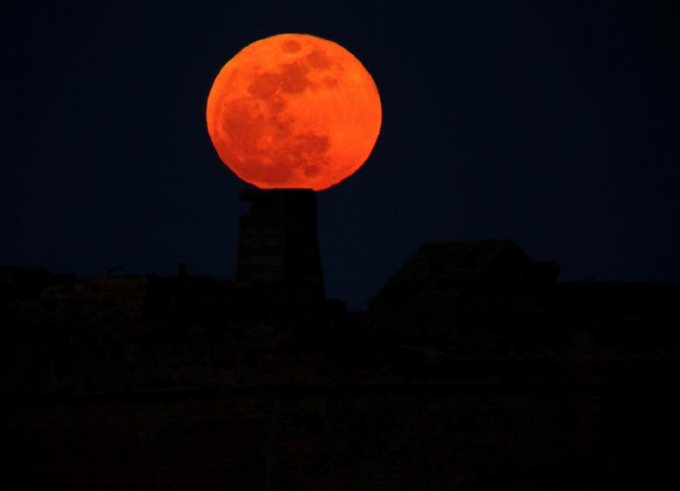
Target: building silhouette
(472,369)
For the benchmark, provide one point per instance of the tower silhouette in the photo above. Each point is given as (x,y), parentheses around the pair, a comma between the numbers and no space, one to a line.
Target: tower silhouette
(279,264)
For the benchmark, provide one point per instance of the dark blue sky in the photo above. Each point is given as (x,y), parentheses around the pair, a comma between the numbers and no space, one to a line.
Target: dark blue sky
(552,125)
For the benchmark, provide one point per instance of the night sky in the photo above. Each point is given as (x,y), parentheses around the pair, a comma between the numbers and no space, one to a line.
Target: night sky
(554,124)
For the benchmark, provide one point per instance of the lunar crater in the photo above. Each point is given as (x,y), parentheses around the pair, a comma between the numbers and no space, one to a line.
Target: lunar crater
(291,46)
(319,60)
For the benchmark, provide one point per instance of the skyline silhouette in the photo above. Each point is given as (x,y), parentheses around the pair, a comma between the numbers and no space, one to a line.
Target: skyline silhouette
(552,126)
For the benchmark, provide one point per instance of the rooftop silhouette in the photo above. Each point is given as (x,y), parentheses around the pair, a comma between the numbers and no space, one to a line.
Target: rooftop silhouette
(471,347)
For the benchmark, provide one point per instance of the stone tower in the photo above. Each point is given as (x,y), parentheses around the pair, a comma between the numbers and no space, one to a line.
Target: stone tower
(279,265)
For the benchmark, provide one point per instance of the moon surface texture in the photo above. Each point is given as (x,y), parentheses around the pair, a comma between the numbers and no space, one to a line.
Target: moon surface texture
(294,111)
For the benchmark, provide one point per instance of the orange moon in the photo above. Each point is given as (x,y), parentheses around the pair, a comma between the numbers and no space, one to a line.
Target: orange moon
(294,111)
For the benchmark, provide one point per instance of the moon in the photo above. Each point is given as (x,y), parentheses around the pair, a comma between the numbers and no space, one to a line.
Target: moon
(294,111)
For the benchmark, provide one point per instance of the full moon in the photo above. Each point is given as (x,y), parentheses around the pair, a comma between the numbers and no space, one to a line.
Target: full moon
(294,111)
